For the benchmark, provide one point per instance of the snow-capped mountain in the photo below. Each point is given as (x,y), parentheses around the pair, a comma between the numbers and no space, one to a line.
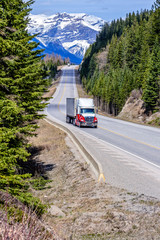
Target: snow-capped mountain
(68,35)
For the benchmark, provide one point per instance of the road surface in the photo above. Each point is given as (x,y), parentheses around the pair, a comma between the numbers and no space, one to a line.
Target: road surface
(129,153)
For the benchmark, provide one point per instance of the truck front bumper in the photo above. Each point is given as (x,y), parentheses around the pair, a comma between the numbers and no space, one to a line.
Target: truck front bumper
(86,124)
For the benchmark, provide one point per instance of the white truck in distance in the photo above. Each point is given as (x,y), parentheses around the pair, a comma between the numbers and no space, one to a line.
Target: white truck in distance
(81,112)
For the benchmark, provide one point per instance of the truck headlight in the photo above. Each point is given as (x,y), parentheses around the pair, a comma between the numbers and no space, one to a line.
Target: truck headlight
(81,119)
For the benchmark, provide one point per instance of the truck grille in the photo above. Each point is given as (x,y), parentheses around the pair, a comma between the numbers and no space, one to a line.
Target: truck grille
(89,119)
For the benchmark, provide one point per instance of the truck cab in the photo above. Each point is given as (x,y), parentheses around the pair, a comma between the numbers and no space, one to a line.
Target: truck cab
(85,113)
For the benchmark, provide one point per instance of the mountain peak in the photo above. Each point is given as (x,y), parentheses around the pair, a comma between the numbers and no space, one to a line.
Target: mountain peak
(74,31)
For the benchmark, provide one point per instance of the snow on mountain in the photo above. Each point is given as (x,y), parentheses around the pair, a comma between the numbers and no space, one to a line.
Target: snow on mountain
(77,47)
(74,32)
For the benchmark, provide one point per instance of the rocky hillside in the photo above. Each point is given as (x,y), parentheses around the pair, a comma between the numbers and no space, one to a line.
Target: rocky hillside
(135,110)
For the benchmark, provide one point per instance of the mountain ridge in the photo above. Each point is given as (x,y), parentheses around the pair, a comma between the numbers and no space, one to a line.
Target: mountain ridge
(66,34)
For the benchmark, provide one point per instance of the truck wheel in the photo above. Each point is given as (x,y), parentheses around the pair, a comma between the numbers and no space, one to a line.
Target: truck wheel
(74,122)
(80,125)
(68,119)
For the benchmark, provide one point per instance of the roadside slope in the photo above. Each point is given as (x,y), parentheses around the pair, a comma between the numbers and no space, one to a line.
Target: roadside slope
(80,207)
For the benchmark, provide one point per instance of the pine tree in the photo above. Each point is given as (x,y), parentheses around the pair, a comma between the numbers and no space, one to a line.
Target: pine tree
(155,21)
(22,84)
(150,88)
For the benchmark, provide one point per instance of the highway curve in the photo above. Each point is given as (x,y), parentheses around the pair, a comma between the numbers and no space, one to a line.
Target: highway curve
(129,153)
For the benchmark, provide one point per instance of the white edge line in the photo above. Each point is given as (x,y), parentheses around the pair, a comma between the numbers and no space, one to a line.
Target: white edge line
(155,165)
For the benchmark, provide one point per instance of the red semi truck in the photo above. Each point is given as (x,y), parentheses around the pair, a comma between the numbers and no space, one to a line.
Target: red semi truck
(81,112)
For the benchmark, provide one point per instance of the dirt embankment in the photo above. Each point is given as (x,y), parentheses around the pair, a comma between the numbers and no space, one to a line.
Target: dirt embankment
(81,208)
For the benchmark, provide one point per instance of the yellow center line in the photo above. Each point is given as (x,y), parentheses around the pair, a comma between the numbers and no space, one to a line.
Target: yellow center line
(135,140)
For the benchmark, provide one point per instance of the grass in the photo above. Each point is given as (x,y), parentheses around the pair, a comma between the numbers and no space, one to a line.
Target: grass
(92,236)
(40,183)
(17,222)
(28,228)
(155,122)
(50,92)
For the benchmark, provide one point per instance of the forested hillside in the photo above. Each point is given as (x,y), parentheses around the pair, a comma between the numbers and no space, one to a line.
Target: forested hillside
(133,61)
(22,83)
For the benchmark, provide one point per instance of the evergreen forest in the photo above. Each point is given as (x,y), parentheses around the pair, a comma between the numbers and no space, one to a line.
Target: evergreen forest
(132,47)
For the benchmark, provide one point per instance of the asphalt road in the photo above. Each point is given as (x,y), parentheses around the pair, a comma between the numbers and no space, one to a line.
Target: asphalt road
(129,153)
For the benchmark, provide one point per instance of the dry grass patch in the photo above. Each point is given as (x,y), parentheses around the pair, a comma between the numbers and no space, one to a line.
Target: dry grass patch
(50,92)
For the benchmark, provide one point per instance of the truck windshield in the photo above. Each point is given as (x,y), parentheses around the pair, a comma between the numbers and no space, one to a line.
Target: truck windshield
(87,110)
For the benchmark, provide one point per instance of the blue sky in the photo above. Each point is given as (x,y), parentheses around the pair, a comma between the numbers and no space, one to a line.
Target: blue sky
(106,9)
